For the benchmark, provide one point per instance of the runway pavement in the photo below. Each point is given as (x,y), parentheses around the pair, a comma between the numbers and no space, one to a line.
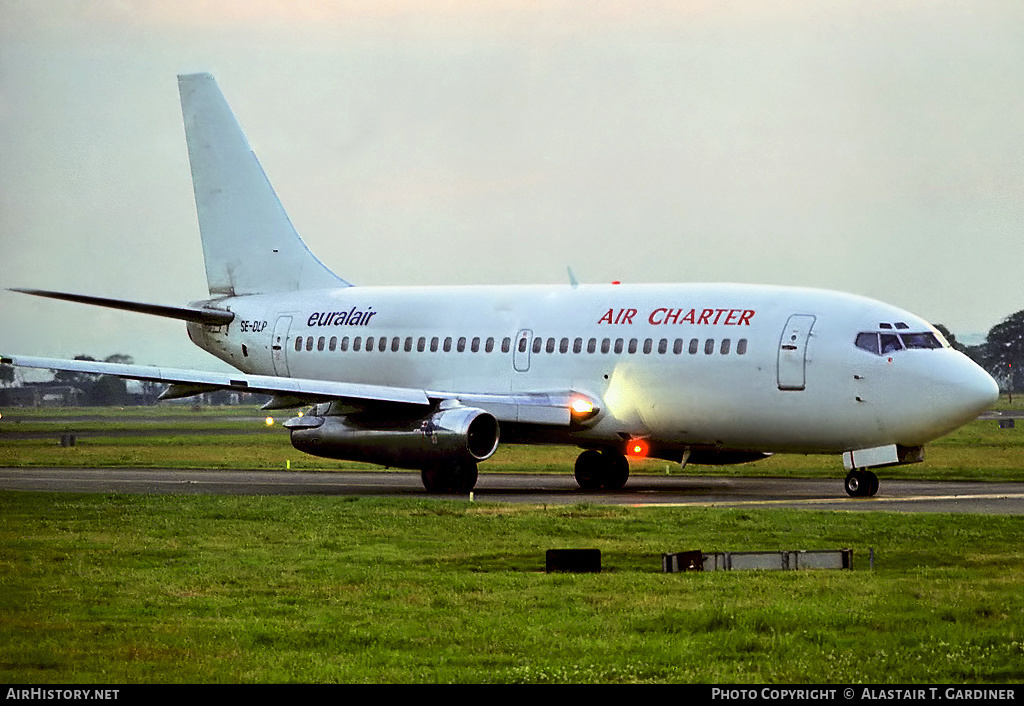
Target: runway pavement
(538,489)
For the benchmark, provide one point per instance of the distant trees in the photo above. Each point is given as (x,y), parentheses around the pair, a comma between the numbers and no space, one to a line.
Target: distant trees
(1002,352)
(6,374)
(99,390)
(948,335)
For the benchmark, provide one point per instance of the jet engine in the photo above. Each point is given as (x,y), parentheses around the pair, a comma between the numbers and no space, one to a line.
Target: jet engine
(454,435)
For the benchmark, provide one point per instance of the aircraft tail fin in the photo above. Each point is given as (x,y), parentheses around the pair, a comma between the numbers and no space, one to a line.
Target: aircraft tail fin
(249,244)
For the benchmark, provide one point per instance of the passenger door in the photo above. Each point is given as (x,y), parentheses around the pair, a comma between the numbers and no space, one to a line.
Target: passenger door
(521,351)
(792,364)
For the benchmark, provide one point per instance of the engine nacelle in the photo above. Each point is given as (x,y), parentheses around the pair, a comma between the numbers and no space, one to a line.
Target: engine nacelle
(457,433)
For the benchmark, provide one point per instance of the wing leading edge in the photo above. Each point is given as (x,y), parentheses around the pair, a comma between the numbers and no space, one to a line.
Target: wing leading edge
(554,408)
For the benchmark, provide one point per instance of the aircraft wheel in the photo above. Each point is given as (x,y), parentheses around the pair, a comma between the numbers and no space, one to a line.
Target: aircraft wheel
(589,469)
(617,471)
(450,476)
(605,470)
(861,484)
(872,483)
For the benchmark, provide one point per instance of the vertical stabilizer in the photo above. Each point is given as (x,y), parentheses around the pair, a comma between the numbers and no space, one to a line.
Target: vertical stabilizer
(249,244)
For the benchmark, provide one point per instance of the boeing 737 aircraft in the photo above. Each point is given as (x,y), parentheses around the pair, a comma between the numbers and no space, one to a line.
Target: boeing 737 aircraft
(432,378)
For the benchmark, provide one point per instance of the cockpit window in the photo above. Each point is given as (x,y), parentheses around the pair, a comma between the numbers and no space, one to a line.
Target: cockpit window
(890,343)
(885,343)
(920,340)
(868,341)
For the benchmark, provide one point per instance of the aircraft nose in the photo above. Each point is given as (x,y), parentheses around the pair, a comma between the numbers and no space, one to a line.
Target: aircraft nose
(969,391)
(947,391)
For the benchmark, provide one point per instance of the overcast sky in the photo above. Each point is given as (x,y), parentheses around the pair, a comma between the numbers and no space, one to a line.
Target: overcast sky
(874,147)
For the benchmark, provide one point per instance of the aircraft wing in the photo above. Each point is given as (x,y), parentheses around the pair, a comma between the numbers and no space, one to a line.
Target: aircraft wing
(554,407)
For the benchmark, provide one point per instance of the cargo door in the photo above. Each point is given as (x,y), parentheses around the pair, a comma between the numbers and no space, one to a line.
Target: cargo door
(792,367)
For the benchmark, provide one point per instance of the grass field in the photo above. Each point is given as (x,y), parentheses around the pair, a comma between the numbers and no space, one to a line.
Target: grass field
(205,589)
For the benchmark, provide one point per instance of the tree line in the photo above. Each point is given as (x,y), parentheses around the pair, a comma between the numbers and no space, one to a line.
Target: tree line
(93,390)
(1001,353)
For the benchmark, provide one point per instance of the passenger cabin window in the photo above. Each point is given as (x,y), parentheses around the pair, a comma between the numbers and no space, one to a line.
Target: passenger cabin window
(876,342)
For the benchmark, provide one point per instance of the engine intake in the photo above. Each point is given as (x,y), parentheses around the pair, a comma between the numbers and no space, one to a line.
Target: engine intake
(458,433)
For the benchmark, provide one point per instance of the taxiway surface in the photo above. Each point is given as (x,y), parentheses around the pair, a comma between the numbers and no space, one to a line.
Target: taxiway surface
(537,489)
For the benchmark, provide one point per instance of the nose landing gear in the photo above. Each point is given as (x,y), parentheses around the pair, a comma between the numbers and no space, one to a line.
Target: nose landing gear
(861,484)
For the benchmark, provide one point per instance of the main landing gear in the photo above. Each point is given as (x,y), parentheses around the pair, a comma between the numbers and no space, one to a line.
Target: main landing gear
(861,484)
(601,470)
(450,476)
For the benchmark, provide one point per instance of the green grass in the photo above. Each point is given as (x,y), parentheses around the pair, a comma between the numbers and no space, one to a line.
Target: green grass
(133,589)
(129,589)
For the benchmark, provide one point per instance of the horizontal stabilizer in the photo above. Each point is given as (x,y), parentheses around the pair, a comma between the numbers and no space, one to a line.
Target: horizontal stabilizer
(211,317)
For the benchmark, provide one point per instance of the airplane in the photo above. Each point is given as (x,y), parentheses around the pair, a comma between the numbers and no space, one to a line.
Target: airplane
(433,378)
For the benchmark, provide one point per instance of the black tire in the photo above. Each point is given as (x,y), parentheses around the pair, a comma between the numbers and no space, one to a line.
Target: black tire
(433,477)
(857,484)
(464,477)
(616,471)
(604,470)
(589,469)
(450,477)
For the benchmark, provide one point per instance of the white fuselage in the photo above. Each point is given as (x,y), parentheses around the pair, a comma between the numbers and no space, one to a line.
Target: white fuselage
(718,366)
